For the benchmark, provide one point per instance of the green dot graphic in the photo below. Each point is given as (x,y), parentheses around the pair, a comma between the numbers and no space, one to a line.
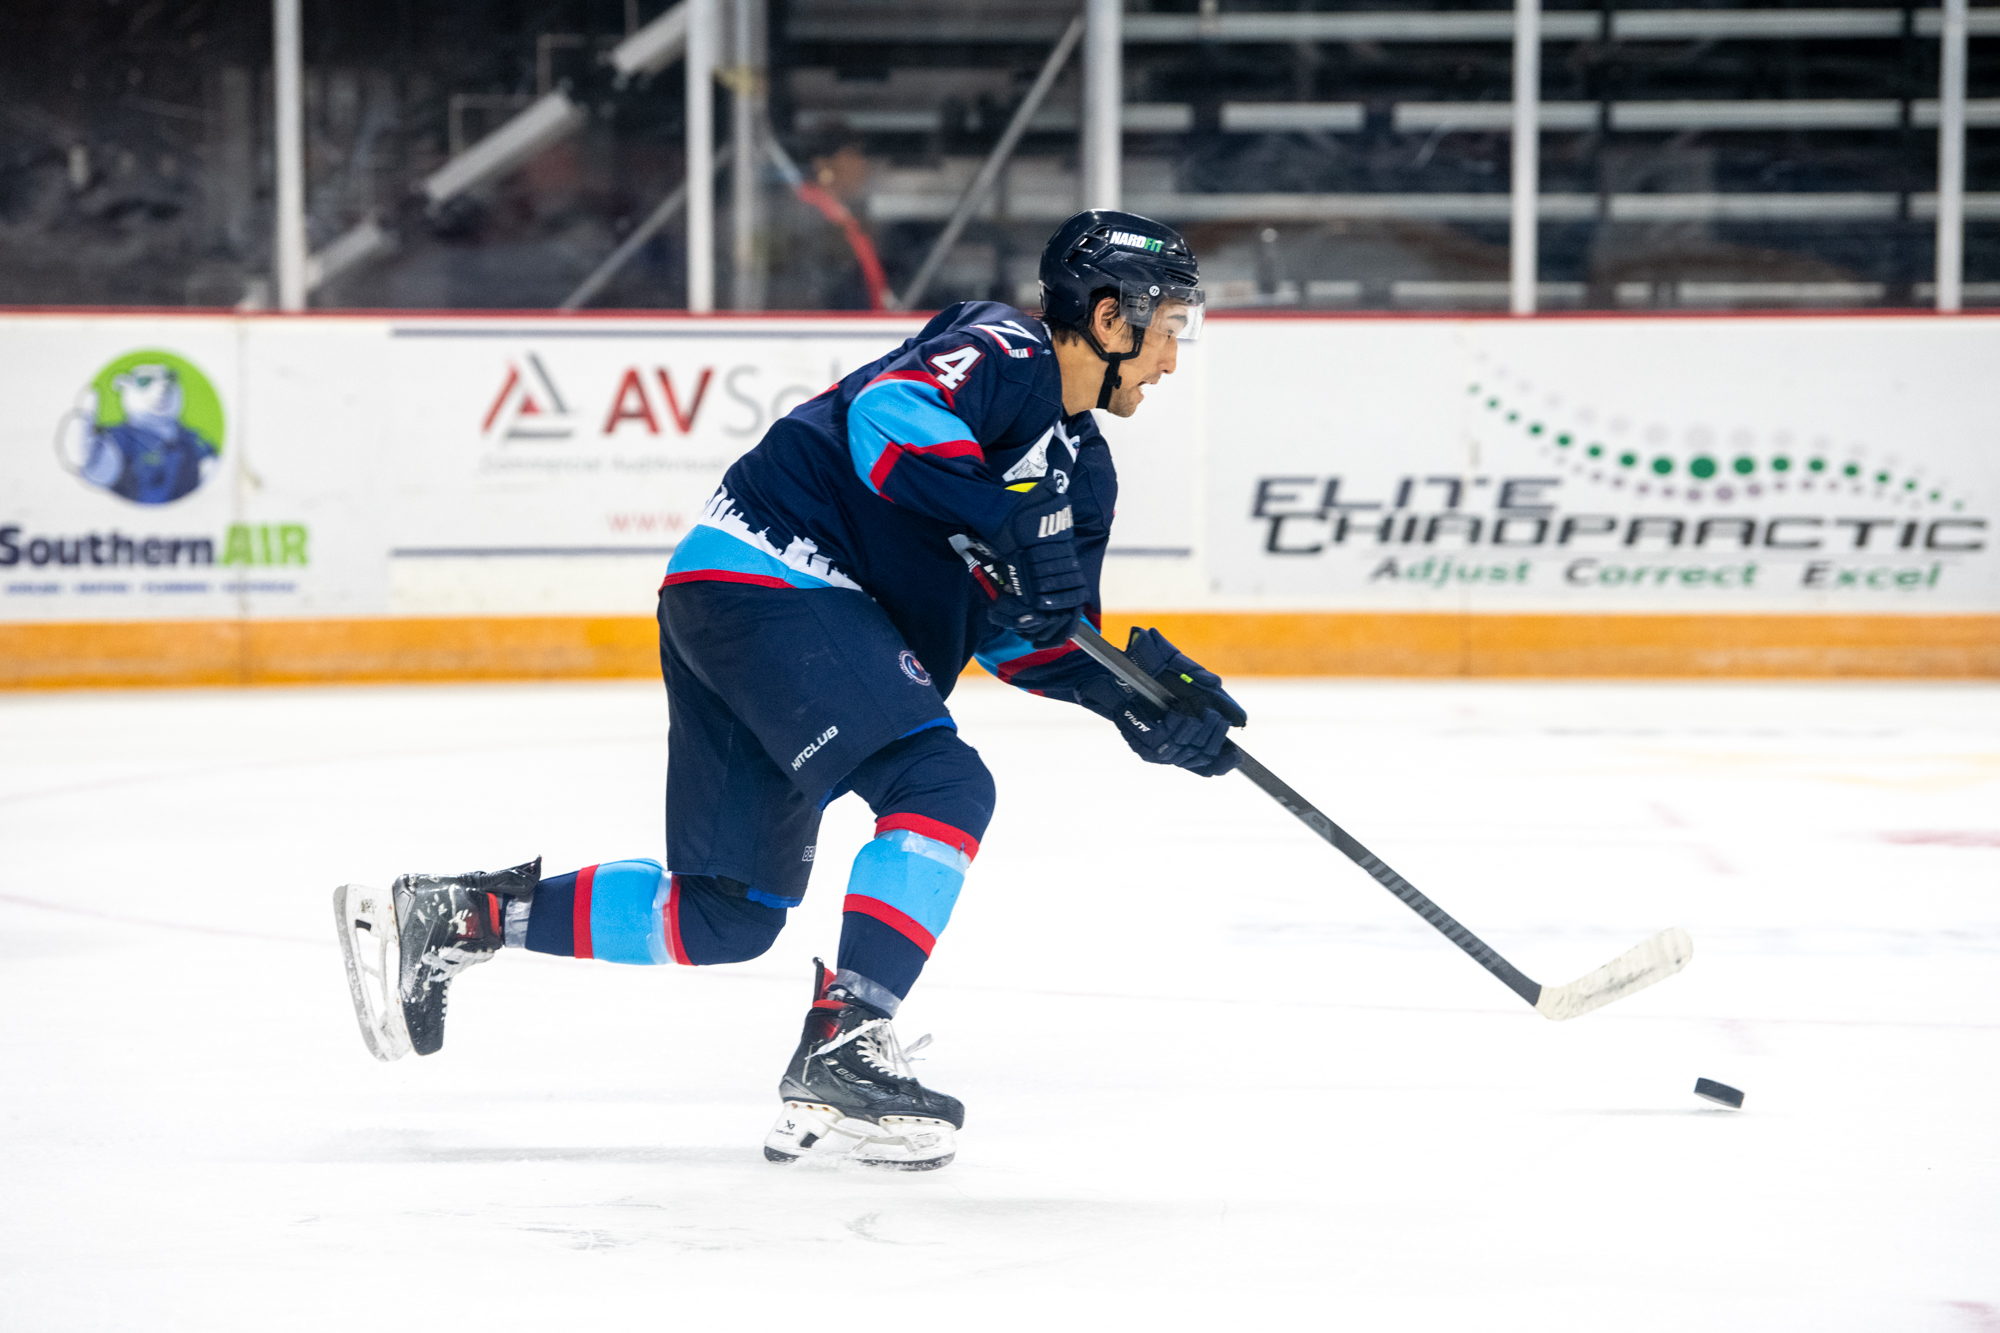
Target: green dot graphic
(1513,416)
(1595,451)
(1535,429)
(1702,468)
(1817,465)
(1781,464)
(1936,496)
(1663,465)
(1852,470)
(1628,458)
(1881,479)
(1492,402)
(1909,485)
(1744,466)
(1564,439)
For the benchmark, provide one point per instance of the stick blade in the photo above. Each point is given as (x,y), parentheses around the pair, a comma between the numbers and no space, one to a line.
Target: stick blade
(1655,960)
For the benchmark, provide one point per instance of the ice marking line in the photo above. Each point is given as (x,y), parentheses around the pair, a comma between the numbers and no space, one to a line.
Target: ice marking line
(1498,1011)
(1944,838)
(19,901)
(358,757)
(1984,1317)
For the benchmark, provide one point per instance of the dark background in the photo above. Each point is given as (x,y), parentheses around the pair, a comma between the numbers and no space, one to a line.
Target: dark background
(136,167)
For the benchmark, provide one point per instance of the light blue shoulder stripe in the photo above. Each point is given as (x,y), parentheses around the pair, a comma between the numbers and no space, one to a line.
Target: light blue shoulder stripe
(902,412)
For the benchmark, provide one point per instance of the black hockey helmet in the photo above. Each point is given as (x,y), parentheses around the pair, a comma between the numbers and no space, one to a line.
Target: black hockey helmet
(1102,252)
(1145,264)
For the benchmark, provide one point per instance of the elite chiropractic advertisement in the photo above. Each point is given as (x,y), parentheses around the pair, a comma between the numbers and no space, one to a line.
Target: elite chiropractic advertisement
(1685,465)
(184,467)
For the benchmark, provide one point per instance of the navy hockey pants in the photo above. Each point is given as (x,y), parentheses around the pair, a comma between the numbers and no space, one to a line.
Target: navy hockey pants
(780,700)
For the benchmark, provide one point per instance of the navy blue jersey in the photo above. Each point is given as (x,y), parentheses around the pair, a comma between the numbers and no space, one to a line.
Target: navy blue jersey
(864,486)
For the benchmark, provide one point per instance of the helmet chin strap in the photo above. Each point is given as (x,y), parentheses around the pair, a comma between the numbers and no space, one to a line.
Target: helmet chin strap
(1111,360)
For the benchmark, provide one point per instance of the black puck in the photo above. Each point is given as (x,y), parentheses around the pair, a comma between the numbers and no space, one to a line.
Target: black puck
(1719,1093)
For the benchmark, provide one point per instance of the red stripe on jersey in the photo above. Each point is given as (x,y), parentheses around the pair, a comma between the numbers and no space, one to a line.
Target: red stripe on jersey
(723,576)
(922,377)
(950,449)
(1008,670)
(878,476)
(893,919)
(580,912)
(935,830)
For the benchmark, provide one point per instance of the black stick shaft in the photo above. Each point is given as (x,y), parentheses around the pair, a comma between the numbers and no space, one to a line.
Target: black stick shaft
(1308,814)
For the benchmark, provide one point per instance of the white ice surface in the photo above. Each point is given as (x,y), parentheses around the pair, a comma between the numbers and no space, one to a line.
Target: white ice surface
(1217,1078)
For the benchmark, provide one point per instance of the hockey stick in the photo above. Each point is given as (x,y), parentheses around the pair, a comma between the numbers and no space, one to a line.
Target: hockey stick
(1655,960)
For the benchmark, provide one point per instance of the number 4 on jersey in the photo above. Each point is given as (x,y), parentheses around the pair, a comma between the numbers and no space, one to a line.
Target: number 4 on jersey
(953,367)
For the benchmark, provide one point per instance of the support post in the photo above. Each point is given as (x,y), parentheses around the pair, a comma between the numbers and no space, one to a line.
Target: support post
(700,70)
(667,210)
(1951,160)
(1526,183)
(746,120)
(290,247)
(1103,102)
(989,171)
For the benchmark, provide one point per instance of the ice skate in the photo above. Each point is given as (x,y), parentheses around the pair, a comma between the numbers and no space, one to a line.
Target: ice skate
(403,947)
(849,1092)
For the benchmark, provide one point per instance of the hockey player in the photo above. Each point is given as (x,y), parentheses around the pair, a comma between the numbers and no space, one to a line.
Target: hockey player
(811,628)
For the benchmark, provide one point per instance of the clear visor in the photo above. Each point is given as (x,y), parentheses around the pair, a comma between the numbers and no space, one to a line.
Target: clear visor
(1177,310)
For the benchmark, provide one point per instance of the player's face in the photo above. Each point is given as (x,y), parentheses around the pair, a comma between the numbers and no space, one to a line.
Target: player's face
(1157,356)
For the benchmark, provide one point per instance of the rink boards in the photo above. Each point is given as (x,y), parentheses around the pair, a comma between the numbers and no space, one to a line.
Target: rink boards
(398,497)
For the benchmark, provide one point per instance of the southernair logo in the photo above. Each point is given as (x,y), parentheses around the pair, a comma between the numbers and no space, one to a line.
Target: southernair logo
(528,406)
(147,428)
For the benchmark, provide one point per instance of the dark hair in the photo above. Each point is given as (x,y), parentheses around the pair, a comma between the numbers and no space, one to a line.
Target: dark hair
(1063,331)
(828,137)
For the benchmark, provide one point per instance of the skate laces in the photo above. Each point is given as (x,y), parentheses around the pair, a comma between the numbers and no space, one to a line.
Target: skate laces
(877,1044)
(451,960)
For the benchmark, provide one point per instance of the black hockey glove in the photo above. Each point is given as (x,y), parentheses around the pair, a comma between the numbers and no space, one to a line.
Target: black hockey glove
(1199,744)
(1194,734)
(1042,589)
(1189,681)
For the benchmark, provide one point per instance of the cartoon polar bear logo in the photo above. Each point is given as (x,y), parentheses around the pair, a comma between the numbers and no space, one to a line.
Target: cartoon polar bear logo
(152,456)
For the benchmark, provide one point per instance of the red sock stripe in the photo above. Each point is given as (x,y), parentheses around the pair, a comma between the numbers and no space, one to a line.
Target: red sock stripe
(580,912)
(672,914)
(967,845)
(893,919)
(493,913)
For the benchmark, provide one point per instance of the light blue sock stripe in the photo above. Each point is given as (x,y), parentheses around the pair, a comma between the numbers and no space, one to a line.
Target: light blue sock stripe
(625,903)
(918,876)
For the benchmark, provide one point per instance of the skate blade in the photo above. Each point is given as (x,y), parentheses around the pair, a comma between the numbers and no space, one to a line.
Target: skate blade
(371,947)
(898,1143)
